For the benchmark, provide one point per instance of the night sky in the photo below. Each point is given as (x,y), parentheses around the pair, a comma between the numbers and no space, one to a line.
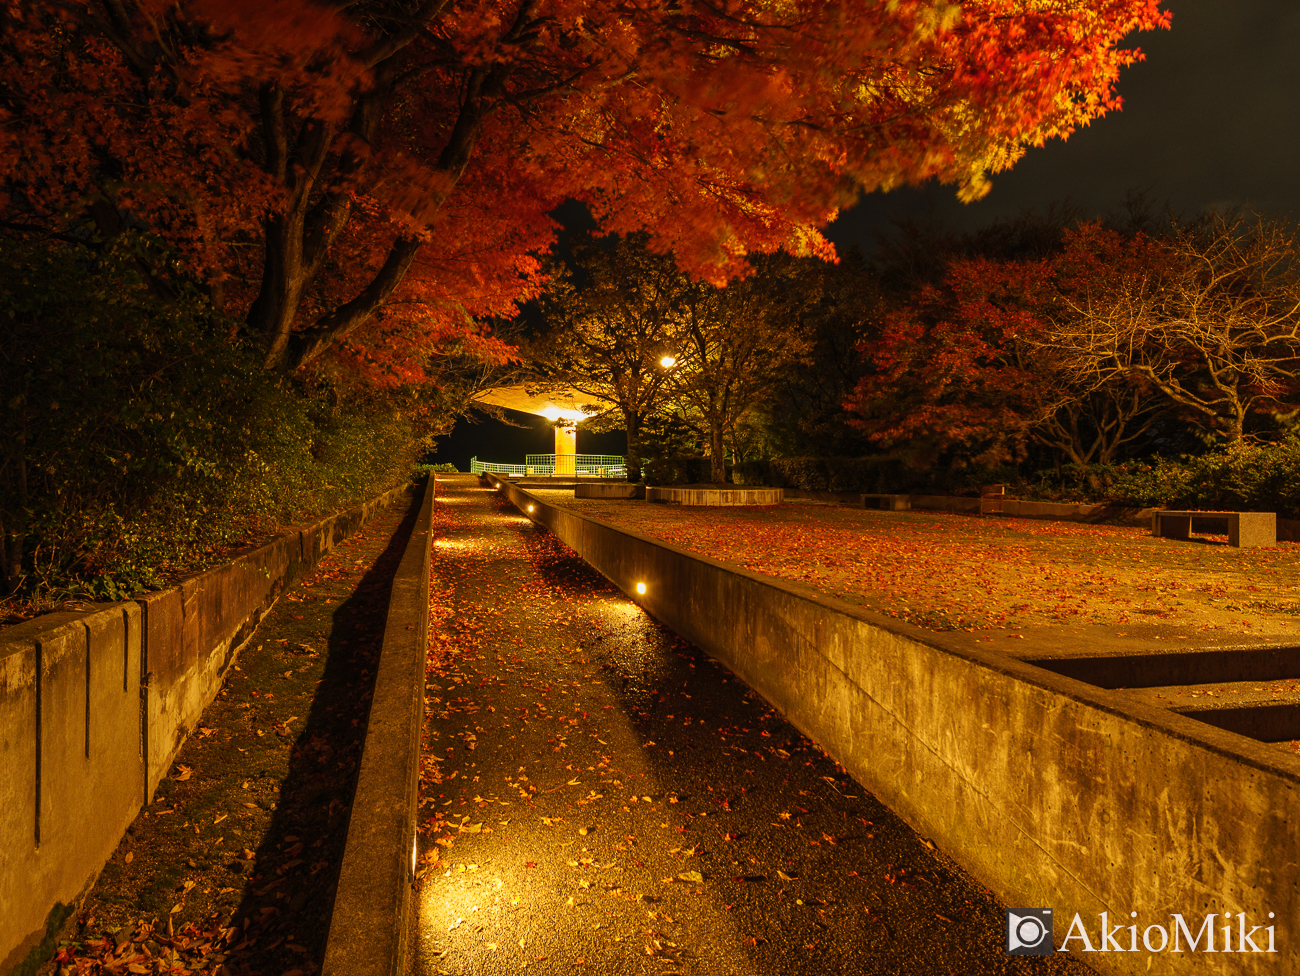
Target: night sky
(1210,119)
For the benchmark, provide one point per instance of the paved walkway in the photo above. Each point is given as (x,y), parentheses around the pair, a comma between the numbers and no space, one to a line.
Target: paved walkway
(602,797)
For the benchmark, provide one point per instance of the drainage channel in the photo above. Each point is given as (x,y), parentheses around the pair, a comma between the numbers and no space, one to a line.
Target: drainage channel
(1251,691)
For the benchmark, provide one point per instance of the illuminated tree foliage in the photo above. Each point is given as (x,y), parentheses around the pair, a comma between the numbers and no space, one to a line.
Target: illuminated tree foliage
(735,346)
(610,324)
(970,363)
(1086,351)
(367,180)
(1208,319)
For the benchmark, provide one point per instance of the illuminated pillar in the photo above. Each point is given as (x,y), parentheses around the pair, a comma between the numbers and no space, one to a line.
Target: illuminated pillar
(566,448)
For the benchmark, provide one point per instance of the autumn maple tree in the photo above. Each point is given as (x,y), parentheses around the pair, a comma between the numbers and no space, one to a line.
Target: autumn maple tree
(990,359)
(1207,320)
(370,180)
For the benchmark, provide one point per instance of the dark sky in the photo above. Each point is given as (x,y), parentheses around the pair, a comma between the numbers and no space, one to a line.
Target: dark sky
(1211,118)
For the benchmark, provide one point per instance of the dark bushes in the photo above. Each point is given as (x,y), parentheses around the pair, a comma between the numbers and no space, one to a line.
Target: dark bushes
(675,470)
(1240,477)
(872,475)
(141,436)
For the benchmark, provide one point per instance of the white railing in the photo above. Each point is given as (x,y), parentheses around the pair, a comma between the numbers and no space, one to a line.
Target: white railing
(561,465)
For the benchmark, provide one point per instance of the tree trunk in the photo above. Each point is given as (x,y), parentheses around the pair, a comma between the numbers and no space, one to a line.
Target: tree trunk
(717,452)
(633,456)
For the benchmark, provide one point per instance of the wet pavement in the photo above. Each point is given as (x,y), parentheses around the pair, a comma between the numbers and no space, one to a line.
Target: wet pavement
(602,797)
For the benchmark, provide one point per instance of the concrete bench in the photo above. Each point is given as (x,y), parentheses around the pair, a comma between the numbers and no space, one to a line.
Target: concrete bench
(992,498)
(1245,529)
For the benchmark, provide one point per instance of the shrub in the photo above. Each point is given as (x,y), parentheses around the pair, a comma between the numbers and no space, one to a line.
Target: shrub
(753,473)
(141,436)
(1244,476)
(675,470)
(880,474)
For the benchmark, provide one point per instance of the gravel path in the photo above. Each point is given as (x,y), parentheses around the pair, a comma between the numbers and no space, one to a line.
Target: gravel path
(602,797)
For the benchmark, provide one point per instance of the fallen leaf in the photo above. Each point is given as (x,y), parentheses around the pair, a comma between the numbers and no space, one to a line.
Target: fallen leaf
(182,773)
(693,876)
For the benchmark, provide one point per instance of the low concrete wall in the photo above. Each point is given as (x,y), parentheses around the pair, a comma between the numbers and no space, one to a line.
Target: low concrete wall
(368,929)
(94,707)
(725,497)
(604,490)
(1051,792)
(1064,511)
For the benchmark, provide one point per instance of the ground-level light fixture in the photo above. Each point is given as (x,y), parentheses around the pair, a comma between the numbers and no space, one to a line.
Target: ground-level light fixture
(640,588)
(530,508)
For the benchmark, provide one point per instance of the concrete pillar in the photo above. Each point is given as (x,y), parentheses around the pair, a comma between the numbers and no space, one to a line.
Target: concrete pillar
(566,448)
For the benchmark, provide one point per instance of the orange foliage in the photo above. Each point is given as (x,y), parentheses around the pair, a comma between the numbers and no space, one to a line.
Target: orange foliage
(381,174)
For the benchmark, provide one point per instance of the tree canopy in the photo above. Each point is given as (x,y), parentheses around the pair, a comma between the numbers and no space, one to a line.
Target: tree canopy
(371,180)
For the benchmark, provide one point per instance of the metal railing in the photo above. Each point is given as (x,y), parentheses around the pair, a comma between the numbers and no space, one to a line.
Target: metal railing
(563,465)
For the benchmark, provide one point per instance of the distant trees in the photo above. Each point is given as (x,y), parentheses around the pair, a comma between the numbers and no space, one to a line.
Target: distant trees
(640,337)
(733,349)
(1045,339)
(611,320)
(1090,349)
(1209,318)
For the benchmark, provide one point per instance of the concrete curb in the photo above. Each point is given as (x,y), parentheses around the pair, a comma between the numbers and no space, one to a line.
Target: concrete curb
(94,707)
(1050,791)
(369,925)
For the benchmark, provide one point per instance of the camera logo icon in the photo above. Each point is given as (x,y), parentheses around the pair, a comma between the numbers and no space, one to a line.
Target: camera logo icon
(1029,931)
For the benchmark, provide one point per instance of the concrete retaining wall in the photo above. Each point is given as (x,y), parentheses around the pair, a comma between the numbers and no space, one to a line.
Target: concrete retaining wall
(94,707)
(369,927)
(716,496)
(1051,792)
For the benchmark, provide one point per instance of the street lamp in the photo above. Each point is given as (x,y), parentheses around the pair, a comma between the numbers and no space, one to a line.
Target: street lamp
(668,362)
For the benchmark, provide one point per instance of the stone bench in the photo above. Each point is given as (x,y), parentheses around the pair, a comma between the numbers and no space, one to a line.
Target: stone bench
(1245,529)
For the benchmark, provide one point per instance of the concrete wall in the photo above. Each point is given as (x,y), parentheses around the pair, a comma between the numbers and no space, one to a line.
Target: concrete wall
(369,933)
(94,707)
(1051,792)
